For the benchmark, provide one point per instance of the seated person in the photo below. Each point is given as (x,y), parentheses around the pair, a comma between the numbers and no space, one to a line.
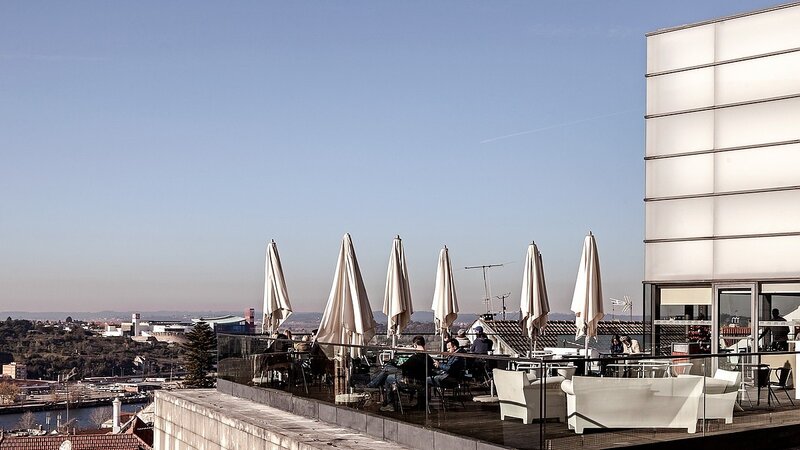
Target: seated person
(630,346)
(616,345)
(482,343)
(463,340)
(282,343)
(451,370)
(414,371)
(304,345)
(319,364)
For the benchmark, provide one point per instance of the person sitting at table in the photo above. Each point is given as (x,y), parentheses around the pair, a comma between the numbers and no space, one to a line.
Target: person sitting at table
(482,344)
(451,370)
(463,340)
(304,345)
(630,346)
(414,371)
(616,345)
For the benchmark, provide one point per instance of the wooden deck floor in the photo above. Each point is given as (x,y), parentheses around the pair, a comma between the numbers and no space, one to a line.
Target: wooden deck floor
(482,421)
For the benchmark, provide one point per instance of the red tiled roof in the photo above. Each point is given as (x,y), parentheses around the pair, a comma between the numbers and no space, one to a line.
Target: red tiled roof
(511,332)
(79,442)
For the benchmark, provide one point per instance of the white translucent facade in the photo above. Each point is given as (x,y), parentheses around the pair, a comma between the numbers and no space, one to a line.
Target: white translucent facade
(722,156)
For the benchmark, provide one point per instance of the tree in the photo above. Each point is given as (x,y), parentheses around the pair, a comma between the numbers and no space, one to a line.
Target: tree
(99,416)
(199,355)
(8,393)
(27,421)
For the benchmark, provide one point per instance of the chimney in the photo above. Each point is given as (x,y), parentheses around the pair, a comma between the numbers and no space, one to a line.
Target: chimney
(116,407)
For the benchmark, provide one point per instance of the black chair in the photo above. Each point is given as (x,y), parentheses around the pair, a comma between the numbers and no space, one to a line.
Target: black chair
(762,372)
(413,388)
(783,374)
(457,387)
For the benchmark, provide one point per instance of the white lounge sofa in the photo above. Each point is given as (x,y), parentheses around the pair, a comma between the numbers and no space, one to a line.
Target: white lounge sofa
(721,393)
(519,397)
(632,402)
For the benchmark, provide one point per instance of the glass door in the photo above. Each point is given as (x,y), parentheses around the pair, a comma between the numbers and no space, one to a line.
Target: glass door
(733,319)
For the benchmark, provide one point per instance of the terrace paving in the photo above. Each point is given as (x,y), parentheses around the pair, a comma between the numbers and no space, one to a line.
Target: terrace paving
(481,421)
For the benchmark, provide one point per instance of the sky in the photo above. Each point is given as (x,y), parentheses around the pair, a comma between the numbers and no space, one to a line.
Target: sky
(150,150)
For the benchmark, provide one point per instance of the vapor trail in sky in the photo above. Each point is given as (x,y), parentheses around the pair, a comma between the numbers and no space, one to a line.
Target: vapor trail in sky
(558,125)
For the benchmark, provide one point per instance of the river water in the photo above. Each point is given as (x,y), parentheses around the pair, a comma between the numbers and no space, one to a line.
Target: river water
(83,416)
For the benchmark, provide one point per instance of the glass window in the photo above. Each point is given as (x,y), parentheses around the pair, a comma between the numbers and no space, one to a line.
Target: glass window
(683,317)
(779,315)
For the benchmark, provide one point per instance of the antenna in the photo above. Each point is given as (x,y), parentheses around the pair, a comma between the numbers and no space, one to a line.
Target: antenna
(487,292)
(503,298)
(626,303)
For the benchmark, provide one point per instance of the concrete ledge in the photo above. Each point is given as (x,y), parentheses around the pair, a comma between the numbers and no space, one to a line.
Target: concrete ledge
(210,420)
(379,427)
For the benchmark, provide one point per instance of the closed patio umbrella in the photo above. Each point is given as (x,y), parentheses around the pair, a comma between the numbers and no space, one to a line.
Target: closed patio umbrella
(348,316)
(276,298)
(445,303)
(587,299)
(533,300)
(397,298)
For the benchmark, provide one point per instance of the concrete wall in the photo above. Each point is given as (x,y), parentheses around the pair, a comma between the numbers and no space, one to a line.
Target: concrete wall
(406,434)
(181,424)
(237,417)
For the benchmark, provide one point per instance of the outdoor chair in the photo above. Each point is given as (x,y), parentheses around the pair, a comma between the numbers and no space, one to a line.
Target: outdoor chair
(719,395)
(413,388)
(522,399)
(784,375)
(457,387)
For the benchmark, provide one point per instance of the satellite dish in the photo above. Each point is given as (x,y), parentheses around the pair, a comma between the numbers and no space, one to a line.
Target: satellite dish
(66,445)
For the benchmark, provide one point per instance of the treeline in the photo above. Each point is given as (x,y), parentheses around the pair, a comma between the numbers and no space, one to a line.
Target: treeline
(50,350)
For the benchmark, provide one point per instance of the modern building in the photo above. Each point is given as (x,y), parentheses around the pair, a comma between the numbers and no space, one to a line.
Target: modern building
(225,324)
(722,165)
(15,371)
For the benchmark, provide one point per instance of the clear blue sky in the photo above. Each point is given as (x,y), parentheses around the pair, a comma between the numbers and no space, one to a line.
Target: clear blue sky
(149,150)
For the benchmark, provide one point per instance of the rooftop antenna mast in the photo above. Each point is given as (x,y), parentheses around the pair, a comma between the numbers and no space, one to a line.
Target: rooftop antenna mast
(487,295)
(503,298)
(626,303)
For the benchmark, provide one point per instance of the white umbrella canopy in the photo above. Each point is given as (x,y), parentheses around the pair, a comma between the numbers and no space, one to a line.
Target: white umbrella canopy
(397,298)
(534,303)
(445,303)
(277,307)
(348,316)
(587,299)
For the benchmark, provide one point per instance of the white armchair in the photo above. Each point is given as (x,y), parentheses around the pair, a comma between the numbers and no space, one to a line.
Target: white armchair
(520,397)
(720,396)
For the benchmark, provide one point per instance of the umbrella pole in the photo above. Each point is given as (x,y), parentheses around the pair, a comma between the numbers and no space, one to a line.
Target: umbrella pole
(585,354)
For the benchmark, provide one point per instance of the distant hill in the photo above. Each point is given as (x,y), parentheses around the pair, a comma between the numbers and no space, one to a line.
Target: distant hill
(113,315)
(425,316)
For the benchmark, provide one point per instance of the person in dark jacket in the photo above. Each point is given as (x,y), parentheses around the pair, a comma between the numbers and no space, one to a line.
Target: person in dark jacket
(616,345)
(482,344)
(414,371)
(451,370)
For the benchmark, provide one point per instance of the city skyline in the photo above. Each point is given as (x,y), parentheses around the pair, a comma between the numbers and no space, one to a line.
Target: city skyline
(150,152)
